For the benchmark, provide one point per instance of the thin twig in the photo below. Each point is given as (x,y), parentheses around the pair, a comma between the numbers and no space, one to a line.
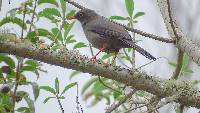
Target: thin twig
(60,105)
(33,15)
(164,102)
(181,108)
(135,108)
(128,58)
(78,105)
(16,84)
(75,4)
(107,85)
(178,65)
(145,34)
(115,106)
(24,15)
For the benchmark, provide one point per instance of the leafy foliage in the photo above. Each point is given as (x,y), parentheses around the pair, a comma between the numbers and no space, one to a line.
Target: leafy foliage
(56,90)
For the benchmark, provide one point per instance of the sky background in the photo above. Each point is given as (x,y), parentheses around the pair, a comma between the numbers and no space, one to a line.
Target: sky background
(187,13)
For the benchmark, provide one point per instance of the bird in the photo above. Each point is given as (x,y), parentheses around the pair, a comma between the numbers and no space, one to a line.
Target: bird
(106,35)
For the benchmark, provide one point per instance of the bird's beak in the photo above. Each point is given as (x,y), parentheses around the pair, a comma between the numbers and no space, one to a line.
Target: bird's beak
(71,17)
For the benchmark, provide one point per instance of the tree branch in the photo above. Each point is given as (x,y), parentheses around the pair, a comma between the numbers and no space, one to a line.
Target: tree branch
(73,60)
(178,65)
(182,42)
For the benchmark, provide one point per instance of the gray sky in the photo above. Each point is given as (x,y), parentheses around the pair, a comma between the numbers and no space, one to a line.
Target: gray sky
(151,22)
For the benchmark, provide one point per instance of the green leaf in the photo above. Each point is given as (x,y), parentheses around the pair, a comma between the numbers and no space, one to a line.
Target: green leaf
(106,56)
(49,89)
(23,109)
(39,32)
(67,28)
(8,60)
(57,85)
(74,73)
(173,64)
(33,63)
(13,20)
(57,33)
(68,87)
(63,6)
(71,13)
(36,90)
(118,18)
(53,2)
(98,88)
(70,39)
(47,99)
(138,14)
(79,45)
(186,60)
(130,7)
(88,84)
(48,16)
(49,11)
(29,68)
(30,104)
(116,95)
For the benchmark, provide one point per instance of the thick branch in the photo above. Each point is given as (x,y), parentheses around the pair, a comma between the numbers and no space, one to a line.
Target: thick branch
(182,42)
(73,60)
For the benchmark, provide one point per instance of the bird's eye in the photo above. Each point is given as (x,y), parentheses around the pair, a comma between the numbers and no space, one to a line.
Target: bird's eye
(80,14)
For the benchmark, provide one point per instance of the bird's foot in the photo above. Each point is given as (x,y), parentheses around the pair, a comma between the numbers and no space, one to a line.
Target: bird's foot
(94,58)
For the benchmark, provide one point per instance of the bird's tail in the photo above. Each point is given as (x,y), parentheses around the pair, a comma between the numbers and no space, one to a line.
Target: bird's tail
(143,52)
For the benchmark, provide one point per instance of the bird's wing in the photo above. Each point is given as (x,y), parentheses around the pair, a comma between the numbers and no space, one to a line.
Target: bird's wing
(107,32)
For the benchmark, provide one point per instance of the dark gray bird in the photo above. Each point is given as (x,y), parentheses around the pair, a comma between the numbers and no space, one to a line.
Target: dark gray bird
(106,35)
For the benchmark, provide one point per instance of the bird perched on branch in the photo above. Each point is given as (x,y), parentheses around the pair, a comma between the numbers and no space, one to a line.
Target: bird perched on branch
(106,35)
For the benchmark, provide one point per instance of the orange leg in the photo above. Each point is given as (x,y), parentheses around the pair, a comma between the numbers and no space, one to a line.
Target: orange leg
(101,50)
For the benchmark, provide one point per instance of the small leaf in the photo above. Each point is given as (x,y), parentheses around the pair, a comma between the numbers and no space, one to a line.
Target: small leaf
(39,32)
(47,99)
(98,88)
(79,45)
(33,63)
(8,60)
(30,104)
(53,2)
(29,68)
(23,109)
(71,13)
(49,89)
(118,18)
(49,11)
(63,6)
(36,90)
(67,28)
(57,85)
(13,20)
(74,73)
(172,64)
(70,39)
(106,56)
(138,14)
(186,60)
(68,87)
(57,33)
(88,84)
(130,7)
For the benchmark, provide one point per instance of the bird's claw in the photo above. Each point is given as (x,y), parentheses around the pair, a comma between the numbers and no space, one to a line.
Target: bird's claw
(94,58)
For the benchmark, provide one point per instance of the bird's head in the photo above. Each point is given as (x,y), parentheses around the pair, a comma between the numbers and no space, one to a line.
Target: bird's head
(84,15)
